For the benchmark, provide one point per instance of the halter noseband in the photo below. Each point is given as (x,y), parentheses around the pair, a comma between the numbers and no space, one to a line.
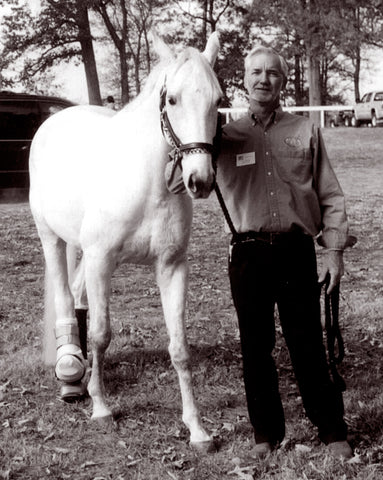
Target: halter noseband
(179,149)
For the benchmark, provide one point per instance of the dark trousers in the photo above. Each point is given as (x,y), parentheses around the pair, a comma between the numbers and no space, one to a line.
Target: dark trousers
(283,273)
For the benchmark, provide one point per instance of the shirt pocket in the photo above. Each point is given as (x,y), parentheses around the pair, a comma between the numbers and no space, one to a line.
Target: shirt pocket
(293,164)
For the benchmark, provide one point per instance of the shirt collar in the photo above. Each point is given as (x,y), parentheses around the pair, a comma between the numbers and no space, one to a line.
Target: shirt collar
(274,118)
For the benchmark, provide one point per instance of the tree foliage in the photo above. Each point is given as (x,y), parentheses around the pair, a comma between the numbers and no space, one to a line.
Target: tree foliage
(60,32)
(128,24)
(322,40)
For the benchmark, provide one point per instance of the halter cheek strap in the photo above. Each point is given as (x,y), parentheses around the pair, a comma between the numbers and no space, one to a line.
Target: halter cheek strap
(179,149)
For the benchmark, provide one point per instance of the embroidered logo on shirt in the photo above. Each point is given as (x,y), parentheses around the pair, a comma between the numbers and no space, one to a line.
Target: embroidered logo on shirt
(243,159)
(294,142)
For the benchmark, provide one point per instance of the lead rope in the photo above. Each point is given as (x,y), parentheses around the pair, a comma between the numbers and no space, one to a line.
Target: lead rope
(216,150)
(225,211)
(333,332)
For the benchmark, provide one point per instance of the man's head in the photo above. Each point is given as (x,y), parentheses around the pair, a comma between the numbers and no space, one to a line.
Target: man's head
(265,76)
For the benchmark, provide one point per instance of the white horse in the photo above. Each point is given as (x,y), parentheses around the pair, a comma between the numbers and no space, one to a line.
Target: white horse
(97,184)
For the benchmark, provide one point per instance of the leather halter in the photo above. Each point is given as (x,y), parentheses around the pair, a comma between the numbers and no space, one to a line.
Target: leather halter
(179,149)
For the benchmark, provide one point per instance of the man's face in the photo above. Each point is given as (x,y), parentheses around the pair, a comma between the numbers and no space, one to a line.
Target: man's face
(264,78)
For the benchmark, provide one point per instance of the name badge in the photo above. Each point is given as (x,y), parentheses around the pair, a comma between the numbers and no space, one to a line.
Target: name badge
(245,159)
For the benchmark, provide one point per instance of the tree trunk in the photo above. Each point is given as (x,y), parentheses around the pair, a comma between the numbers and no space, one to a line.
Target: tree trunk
(314,87)
(204,22)
(124,72)
(357,58)
(297,80)
(87,51)
(357,76)
(313,53)
(124,69)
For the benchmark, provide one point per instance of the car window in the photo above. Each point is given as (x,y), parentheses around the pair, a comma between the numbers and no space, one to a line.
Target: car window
(19,120)
(49,108)
(379,97)
(367,97)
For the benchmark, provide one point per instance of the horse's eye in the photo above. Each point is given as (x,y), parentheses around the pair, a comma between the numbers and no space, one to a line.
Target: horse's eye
(172,101)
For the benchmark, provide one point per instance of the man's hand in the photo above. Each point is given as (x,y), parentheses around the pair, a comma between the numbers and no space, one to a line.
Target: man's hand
(332,265)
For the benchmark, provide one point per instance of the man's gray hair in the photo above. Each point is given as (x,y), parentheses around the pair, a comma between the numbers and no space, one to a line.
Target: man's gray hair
(262,49)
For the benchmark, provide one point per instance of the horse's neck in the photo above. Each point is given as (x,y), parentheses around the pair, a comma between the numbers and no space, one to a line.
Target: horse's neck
(143,118)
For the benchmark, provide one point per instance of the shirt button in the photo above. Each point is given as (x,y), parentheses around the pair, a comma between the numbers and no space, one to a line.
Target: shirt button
(274,214)
(271,193)
(267,153)
(269,173)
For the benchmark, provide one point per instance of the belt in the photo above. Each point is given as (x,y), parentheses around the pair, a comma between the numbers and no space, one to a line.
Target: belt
(271,238)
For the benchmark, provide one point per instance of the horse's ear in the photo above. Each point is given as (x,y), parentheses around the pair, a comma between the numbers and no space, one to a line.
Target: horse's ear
(212,48)
(160,47)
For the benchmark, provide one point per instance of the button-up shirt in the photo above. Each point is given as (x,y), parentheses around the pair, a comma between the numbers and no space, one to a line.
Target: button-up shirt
(277,178)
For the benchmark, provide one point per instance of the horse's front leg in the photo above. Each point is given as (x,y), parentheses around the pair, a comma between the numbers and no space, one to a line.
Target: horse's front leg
(98,273)
(172,279)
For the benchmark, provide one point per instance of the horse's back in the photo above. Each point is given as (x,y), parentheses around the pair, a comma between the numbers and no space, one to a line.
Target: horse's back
(67,131)
(63,153)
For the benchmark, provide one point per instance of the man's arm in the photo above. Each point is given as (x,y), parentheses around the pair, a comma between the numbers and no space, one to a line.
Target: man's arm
(334,235)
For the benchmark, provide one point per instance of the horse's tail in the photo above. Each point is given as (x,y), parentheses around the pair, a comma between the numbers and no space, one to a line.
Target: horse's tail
(49,343)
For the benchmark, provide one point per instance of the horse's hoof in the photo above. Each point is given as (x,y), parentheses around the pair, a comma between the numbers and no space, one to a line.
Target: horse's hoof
(208,446)
(105,423)
(72,392)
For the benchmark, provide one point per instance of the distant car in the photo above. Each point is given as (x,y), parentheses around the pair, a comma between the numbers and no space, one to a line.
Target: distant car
(369,110)
(341,118)
(20,116)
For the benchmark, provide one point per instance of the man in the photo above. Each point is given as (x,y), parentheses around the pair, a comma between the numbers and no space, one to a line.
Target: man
(280,191)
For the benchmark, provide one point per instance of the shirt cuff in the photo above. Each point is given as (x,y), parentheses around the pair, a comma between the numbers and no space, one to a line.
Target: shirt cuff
(335,240)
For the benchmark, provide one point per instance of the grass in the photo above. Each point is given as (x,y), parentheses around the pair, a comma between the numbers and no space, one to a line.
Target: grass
(43,438)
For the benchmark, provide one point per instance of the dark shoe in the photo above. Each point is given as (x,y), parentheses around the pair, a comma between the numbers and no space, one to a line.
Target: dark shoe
(340,449)
(261,450)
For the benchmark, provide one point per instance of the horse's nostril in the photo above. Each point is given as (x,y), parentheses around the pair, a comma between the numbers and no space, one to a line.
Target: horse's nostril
(194,184)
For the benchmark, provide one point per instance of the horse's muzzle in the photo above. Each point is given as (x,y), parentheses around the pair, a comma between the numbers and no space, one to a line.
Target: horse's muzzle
(199,188)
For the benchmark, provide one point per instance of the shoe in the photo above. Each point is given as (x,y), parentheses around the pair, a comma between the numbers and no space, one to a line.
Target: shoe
(261,450)
(340,449)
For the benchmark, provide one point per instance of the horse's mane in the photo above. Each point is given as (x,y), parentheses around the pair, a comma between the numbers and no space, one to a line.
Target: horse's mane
(171,66)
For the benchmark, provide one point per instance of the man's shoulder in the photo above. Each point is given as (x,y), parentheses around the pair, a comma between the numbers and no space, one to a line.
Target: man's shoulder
(294,117)
(296,122)
(237,128)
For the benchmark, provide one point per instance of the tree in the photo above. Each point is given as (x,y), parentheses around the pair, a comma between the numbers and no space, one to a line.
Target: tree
(327,40)
(128,23)
(208,12)
(61,32)
(81,19)
(196,20)
(119,35)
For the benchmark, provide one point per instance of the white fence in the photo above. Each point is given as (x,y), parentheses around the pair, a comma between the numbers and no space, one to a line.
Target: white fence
(235,113)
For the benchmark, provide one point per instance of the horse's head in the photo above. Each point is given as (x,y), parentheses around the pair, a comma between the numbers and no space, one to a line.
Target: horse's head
(189,109)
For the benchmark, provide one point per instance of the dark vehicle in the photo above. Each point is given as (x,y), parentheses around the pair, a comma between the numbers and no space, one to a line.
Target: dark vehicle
(341,119)
(20,116)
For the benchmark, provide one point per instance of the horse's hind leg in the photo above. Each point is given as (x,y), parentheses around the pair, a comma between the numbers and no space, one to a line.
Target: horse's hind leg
(77,284)
(70,365)
(172,280)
